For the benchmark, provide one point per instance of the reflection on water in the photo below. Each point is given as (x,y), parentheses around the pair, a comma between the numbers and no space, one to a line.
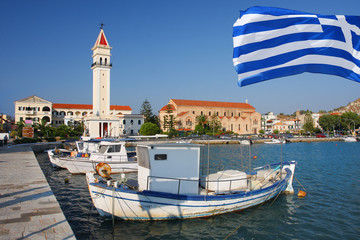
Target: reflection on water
(331,209)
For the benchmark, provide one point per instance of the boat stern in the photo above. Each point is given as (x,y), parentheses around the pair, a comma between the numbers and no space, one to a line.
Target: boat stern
(289,189)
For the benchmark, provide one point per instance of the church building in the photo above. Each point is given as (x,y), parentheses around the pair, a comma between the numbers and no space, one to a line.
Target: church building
(100,119)
(240,118)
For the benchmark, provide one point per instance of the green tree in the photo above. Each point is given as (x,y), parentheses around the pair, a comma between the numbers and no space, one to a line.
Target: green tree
(62,131)
(201,120)
(329,122)
(308,122)
(214,124)
(149,128)
(43,129)
(350,120)
(199,129)
(19,126)
(146,110)
(169,119)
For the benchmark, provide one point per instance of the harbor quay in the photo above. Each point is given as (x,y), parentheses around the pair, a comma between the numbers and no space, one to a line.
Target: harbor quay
(28,207)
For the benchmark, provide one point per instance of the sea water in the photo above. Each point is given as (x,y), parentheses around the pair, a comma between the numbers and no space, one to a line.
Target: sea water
(329,172)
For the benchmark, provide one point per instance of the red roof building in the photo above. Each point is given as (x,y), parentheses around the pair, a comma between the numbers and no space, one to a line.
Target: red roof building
(240,118)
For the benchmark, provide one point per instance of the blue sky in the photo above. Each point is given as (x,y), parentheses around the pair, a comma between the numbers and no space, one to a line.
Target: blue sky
(161,50)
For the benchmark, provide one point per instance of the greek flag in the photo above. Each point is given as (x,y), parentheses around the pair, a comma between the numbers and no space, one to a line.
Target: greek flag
(273,42)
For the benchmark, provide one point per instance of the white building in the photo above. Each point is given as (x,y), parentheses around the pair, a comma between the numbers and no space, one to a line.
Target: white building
(101,119)
(102,123)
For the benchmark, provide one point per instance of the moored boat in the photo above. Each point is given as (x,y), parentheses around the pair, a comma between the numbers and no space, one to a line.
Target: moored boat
(350,139)
(169,186)
(113,153)
(275,141)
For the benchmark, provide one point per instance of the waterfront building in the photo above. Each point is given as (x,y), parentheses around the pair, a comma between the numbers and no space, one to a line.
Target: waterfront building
(100,119)
(36,109)
(239,118)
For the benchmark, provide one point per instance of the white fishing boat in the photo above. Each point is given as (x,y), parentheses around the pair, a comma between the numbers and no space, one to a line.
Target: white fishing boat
(113,153)
(245,142)
(83,149)
(169,186)
(275,141)
(350,139)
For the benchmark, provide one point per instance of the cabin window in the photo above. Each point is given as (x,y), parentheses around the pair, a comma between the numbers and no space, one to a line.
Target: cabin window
(142,154)
(102,149)
(160,156)
(114,148)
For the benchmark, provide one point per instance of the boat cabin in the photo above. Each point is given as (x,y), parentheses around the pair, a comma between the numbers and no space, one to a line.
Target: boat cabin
(111,151)
(170,168)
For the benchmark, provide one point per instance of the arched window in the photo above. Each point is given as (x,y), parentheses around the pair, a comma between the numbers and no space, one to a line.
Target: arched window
(84,113)
(70,113)
(124,121)
(46,109)
(62,113)
(46,119)
(105,61)
(101,61)
(55,113)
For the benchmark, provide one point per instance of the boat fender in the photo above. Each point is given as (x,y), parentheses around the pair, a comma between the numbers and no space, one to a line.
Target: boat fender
(301,194)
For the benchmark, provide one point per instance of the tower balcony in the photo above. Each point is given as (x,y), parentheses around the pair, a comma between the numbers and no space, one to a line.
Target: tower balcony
(103,64)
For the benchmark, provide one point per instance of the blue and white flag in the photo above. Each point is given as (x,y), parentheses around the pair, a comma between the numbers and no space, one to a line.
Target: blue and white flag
(272,42)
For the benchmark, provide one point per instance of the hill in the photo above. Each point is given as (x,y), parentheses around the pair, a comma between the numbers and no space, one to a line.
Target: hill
(351,107)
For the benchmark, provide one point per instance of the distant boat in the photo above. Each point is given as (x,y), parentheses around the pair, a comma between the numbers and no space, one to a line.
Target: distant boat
(113,153)
(245,142)
(350,139)
(169,186)
(275,141)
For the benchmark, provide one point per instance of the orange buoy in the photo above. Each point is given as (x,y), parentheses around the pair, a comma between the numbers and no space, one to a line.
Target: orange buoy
(301,194)
(255,157)
(103,169)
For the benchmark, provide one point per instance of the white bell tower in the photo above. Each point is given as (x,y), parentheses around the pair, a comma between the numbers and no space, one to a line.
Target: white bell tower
(101,76)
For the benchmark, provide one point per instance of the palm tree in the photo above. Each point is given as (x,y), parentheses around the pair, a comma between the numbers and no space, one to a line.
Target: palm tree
(202,120)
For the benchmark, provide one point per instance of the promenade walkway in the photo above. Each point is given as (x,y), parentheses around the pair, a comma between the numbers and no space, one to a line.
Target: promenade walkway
(28,207)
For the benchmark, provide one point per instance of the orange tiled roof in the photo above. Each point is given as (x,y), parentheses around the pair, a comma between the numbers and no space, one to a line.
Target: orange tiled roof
(165,108)
(88,106)
(335,113)
(182,113)
(181,102)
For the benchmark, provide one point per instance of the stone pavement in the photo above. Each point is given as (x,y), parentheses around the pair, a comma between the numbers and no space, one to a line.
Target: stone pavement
(28,207)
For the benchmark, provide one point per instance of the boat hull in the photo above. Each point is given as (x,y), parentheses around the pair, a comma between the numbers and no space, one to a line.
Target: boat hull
(84,165)
(128,204)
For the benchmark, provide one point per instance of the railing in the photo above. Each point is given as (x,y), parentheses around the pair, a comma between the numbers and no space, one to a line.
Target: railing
(29,112)
(101,64)
(229,190)
(180,180)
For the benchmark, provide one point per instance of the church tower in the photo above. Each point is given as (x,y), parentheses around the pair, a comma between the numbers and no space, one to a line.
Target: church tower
(101,76)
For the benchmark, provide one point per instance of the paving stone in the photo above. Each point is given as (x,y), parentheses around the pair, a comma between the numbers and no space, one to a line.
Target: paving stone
(28,207)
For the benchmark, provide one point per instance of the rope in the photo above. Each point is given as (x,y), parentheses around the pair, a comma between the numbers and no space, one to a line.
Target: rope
(299,183)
